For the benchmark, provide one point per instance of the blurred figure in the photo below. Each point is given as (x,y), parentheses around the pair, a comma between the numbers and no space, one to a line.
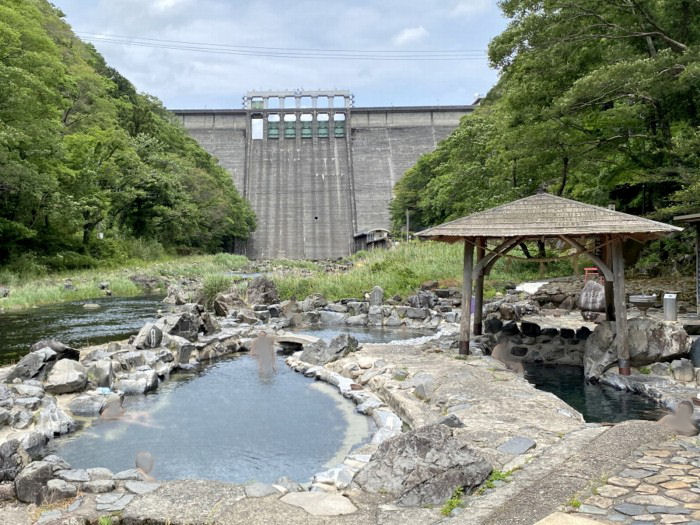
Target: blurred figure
(263,350)
(114,411)
(144,464)
(500,352)
(681,421)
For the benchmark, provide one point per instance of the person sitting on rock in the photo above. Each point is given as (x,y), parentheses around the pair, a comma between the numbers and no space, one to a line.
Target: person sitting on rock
(681,421)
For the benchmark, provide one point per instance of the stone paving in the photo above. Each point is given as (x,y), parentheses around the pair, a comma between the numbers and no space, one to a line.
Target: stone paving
(659,484)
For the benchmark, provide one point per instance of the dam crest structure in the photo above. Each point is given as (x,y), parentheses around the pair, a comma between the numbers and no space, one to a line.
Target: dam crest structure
(318,171)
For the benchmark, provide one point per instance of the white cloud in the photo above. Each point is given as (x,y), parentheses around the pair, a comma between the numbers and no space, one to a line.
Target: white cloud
(163,5)
(471,7)
(410,35)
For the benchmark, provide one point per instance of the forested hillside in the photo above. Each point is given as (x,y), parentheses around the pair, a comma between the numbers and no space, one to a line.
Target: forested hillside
(597,101)
(90,169)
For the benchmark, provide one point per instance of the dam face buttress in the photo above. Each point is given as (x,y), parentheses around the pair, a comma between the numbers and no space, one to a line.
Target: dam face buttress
(317,170)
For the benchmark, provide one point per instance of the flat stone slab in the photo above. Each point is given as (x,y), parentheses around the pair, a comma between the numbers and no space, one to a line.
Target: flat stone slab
(140,487)
(320,504)
(560,518)
(517,445)
(185,502)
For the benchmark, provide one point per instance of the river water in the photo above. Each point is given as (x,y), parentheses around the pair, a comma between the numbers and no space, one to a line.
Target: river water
(117,318)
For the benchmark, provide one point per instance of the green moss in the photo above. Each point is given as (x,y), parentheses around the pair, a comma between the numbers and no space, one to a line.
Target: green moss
(452,503)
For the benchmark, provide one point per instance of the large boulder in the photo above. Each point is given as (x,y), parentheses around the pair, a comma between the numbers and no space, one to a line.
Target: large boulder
(423,467)
(649,341)
(12,459)
(150,336)
(592,298)
(32,365)
(321,353)
(376,296)
(423,299)
(30,484)
(186,323)
(66,376)
(262,290)
(225,304)
(63,351)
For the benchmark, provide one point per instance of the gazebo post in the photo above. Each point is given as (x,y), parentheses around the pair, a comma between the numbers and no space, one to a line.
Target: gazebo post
(479,288)
(697,267)
(623,354)
(465,321)
(608,284)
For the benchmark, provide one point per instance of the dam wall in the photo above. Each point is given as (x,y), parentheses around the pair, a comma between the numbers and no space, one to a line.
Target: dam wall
(317,176)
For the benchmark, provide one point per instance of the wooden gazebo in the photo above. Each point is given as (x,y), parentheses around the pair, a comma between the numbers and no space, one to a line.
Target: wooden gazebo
(496,231)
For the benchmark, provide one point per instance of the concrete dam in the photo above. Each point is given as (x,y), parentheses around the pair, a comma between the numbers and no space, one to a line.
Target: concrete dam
(318,171)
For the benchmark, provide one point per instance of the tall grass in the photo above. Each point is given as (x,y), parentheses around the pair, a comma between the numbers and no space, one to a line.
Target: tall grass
(26,292)
(401,270)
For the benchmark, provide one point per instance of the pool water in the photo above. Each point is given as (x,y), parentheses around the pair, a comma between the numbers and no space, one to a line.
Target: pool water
(117,318)
(226,423)
(597,403)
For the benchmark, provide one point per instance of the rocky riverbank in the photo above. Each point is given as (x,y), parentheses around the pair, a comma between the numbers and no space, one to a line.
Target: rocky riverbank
(443,421)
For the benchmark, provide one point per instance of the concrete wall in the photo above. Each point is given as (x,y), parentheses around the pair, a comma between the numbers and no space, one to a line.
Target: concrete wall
(312,195)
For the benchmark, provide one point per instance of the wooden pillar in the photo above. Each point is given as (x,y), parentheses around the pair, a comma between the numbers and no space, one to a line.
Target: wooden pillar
(465,321)
(623,354)
(479,288)
(609,291)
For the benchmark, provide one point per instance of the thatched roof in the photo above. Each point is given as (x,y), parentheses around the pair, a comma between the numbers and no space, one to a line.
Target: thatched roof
(545,215)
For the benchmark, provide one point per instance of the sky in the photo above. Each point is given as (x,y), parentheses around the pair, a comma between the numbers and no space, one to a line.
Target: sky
(202,79)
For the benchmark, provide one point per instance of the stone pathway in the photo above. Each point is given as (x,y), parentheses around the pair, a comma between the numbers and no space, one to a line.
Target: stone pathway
(660,484)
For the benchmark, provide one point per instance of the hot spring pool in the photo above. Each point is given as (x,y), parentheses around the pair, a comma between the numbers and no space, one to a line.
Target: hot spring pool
(226,423)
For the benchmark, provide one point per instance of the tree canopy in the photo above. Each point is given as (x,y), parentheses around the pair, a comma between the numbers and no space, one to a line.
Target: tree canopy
(82,153)
(596,101)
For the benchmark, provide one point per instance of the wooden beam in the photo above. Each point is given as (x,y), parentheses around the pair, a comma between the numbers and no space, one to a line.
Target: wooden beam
(488,260)
(607,272)
(623,353)
(479,288)
(465,321)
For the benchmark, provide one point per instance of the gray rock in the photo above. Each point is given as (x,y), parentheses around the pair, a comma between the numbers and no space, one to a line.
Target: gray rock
(31,364)
(62,351)
(98,473)
(27,403)
(321,353)
(7,491)
(21,419)
(260,490)
(138,382)
(33,443)
(337,308)
(417,313)
(116,502)
(57,490)
(649,341)
(52,420)
(140,487)
(592,298)
(228,303)
(87,405)
(262,290)
(49,516)
(30,483)
(424,385)
(24,390)
(517,445)
(12,459)
(332,318)
(682,370)
(127,475)
(376,296)
(66,376)
(452,421)
(320,503)
(100,373)
(99,486)
(423,467)
(73,475)
(57,461)
(150,336)
(357,320)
